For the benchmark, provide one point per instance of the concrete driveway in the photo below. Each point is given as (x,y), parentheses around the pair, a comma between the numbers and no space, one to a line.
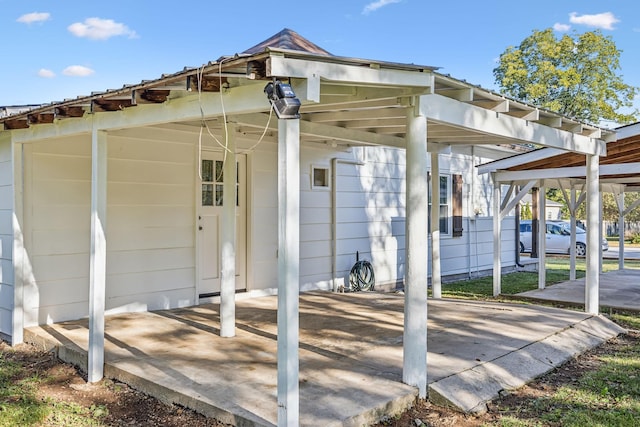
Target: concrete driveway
(619,289)
(350,354)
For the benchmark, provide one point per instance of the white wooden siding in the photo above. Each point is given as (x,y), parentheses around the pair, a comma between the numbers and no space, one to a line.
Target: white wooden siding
(150,226)
(6,238)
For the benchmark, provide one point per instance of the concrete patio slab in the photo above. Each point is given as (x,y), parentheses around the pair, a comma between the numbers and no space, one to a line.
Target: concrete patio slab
(350,354)
(619,289)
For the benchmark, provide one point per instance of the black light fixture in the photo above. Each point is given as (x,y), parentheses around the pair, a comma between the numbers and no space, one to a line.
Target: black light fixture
(283,99)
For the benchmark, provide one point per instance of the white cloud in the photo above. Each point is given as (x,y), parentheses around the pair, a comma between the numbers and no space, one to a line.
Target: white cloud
(77,71)
(373,6)
(30,18)
(47,74)
(100,29)
(562,28)
(601,20)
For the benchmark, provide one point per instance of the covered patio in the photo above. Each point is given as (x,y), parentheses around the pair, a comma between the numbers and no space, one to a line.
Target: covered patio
(350,354)
(345,103)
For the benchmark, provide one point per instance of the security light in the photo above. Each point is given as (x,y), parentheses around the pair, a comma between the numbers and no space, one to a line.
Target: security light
(283,99)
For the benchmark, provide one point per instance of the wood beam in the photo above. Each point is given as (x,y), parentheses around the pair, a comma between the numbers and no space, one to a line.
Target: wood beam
(445,110)
(65,111)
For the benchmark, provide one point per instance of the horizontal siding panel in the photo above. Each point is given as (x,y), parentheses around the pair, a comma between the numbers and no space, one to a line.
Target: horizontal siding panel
(60,267)
(6,296)
(313,266)
(149,282)
(152,150)
(350,246)
(315,199)
(79,146)
(265,189)
(6,173)
(313,232)
(371,184)
(63,241)
(129,216)
(56,313)
(56,217)
(149,238)
(149,194)
(6,222)
(6,197)
(6,246)
(130,171)
(359,214)
(320,248)
(46,193)
(5,152)
(359,230)
(61,292)
(315,216)
(122,262)
(61,168)
(5,322)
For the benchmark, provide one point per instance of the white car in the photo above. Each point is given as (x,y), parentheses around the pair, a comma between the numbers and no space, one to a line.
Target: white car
(558,238)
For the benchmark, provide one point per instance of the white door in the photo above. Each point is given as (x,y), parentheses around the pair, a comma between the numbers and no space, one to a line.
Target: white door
(210,221)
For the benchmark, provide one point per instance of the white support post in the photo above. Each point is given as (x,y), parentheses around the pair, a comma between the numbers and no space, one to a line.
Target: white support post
(19,256)
(600,230)
(497,232)
(542,236)
(98,255)
(572,245)
(592,280)
(436,275)
(620,202)
(288,271)
(228,235)
(414,369)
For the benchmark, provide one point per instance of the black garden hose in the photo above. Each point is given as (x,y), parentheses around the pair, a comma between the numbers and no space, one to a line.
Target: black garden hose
(361,277)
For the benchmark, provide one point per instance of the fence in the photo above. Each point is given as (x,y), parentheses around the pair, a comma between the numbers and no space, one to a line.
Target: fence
(611,228)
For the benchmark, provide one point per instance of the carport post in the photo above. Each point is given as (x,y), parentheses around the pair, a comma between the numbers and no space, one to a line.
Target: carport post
(436,276)
(288,270)
(620,202)
(414,356)
(592,280)
(98,255)
(572,244)
(228,256)
(497,246)
(542,237)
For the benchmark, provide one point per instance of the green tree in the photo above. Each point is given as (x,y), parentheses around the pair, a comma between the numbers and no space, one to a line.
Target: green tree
(576,75)
(525,212)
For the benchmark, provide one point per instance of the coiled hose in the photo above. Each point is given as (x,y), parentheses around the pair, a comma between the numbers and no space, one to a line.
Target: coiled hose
(361,277)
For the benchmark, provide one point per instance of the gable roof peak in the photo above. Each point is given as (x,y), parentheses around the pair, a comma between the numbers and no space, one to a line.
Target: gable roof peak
(290,40)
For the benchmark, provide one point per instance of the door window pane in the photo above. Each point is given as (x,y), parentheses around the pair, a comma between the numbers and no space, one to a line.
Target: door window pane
(207,170)
(207,194)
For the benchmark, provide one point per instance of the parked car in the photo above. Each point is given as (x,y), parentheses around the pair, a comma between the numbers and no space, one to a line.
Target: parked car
(558,238)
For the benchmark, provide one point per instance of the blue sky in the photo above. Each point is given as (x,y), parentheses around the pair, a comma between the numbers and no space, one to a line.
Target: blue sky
(54,50)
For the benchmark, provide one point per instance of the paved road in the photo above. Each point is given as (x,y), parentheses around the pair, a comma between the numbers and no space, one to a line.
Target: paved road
(629,253)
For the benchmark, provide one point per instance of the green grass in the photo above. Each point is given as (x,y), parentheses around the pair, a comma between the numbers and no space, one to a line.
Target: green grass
(558,270)
(608,395)
(20,405)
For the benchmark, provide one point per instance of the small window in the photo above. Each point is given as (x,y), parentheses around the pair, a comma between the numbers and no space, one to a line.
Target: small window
(319,177)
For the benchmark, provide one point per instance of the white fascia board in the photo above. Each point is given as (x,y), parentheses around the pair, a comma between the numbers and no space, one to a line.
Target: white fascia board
(519,159)
(238,100)
(325,131)
(445,110)
(627,131)
(279,66)
(569,172)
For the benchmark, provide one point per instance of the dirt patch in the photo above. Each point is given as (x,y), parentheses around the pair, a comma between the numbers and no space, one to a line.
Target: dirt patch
(426,414)
(126,406)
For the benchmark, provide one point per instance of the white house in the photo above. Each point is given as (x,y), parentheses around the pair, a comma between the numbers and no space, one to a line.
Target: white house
(123,200)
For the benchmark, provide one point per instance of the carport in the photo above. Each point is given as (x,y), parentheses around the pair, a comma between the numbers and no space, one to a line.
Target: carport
(617,172)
